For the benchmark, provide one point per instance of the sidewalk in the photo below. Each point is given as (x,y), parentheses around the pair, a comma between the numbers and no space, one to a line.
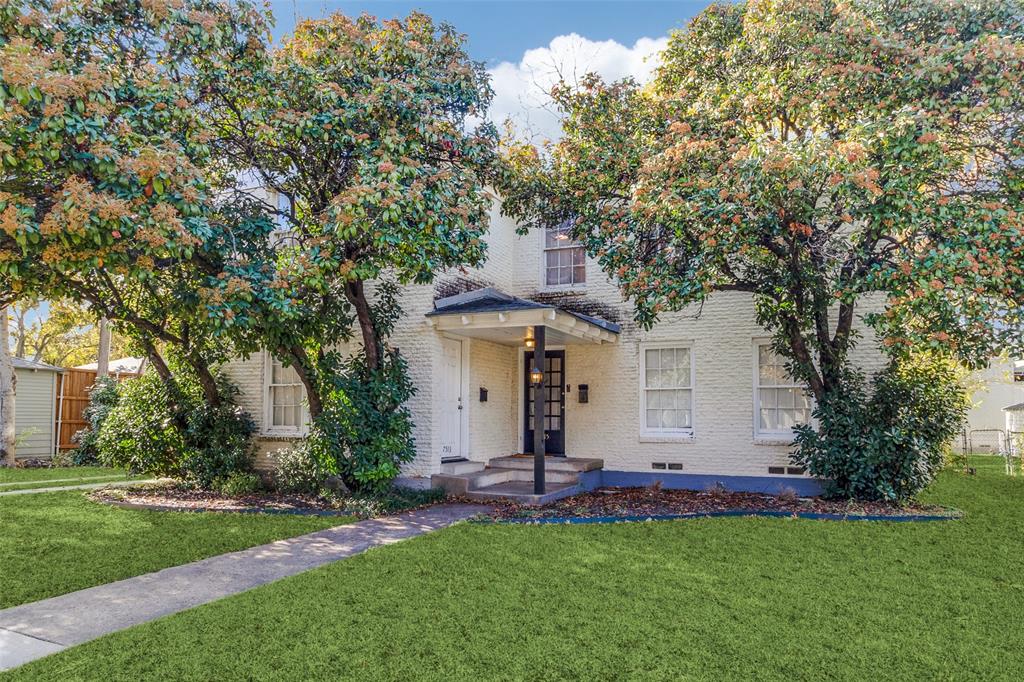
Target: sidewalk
(38,629)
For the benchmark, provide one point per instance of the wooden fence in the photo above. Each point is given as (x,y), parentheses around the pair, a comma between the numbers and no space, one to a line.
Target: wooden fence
(72,398)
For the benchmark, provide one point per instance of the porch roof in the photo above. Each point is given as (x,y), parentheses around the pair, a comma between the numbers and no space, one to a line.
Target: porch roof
(496,316)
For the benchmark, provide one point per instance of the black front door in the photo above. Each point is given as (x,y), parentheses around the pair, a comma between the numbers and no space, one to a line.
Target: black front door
(554,403)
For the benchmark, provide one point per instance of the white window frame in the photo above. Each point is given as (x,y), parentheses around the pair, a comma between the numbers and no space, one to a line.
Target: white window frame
(661,432)
(759,433)
(284,232)
(268,406)
(544,250)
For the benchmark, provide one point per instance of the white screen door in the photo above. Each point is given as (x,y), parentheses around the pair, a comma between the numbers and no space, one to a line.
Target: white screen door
(450,398)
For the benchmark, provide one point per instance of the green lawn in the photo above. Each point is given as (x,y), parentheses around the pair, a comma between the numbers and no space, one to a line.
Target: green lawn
(67,476)
(713,599)
(9,475)
(53,543)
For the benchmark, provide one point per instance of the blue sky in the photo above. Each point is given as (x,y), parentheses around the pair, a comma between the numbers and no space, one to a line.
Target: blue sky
(501,30)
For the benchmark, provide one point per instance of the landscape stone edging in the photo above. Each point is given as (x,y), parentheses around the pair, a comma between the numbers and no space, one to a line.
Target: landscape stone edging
(819,516)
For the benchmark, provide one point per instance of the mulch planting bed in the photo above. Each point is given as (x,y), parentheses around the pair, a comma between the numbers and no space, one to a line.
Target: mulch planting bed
(652,502)
(171,497)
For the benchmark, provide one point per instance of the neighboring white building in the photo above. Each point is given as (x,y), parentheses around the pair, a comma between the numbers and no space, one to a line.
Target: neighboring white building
(999,386)
(697,400)
(34,404)
(122,367)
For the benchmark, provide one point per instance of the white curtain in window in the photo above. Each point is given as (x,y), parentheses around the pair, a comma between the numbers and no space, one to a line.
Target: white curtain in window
(782,402)
(668,391)
(286,399)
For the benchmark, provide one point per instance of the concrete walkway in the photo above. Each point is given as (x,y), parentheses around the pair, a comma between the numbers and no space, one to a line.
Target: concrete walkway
(38,629)
(83,486)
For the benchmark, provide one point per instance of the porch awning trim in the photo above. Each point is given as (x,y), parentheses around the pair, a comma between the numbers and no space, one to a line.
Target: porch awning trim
(490,308)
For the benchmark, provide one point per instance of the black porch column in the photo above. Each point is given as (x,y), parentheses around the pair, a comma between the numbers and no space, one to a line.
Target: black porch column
(538,412)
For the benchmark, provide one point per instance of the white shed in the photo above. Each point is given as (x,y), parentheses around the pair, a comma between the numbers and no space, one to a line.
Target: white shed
(1014,420)
(122,367)
(34,407)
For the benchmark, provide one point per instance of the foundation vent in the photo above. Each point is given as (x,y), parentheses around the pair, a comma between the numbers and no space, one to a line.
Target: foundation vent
(782,471)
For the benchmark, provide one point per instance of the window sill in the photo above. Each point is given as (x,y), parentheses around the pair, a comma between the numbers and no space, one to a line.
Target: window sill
(773,440)
(288,436)
(667,438)
(570,289)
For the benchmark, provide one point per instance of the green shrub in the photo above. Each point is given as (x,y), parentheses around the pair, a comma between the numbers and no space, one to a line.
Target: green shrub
(889,444)
(171,431)
(240,483)
(365,431)
(298,471)
(139,433)
(219,438)
(103,397)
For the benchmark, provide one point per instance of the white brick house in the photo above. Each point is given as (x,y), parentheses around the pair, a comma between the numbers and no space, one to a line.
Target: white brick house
(697,400)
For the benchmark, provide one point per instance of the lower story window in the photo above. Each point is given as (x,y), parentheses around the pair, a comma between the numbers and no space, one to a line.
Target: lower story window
(782,402)
(666,376)
(286,399)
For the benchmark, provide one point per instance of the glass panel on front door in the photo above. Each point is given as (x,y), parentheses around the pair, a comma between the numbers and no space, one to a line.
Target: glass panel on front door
(554,404)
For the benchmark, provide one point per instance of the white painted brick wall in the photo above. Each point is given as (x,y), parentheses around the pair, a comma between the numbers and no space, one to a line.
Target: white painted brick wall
(247,375)
(493,424)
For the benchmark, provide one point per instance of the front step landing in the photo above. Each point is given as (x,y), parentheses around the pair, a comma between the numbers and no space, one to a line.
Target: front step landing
(511,478)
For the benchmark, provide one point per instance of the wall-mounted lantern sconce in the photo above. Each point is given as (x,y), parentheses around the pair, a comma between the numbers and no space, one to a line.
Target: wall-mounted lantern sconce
(536,376)
(530,342)
(583,393)
(483,394)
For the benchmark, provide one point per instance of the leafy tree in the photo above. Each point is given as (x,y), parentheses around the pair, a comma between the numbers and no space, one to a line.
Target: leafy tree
(832,159)
(142,142)
(104,196)
(360,132)
(63,334)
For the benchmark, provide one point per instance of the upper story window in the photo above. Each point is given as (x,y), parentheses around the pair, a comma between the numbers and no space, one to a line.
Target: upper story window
(284,233)
(564,258)
(666,389)
(285,399)
(780,401)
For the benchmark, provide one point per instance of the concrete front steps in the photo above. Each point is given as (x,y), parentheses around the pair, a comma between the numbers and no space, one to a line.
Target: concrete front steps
(511,478)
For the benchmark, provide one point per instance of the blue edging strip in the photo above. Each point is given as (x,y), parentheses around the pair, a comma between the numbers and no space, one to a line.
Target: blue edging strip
(821,516)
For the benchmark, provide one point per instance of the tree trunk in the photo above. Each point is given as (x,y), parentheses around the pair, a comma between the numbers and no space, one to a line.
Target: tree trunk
(167,377)
(103,356)
(307,375)
(7,385)
(801,355)
(207,380)
(20,335)
(356,295)
(162,370)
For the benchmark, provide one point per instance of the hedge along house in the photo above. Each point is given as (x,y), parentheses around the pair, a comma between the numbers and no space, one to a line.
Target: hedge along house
(696,401)
(34,408)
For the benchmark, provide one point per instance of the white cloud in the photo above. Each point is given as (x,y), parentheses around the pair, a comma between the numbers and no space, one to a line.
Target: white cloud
(520,90)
